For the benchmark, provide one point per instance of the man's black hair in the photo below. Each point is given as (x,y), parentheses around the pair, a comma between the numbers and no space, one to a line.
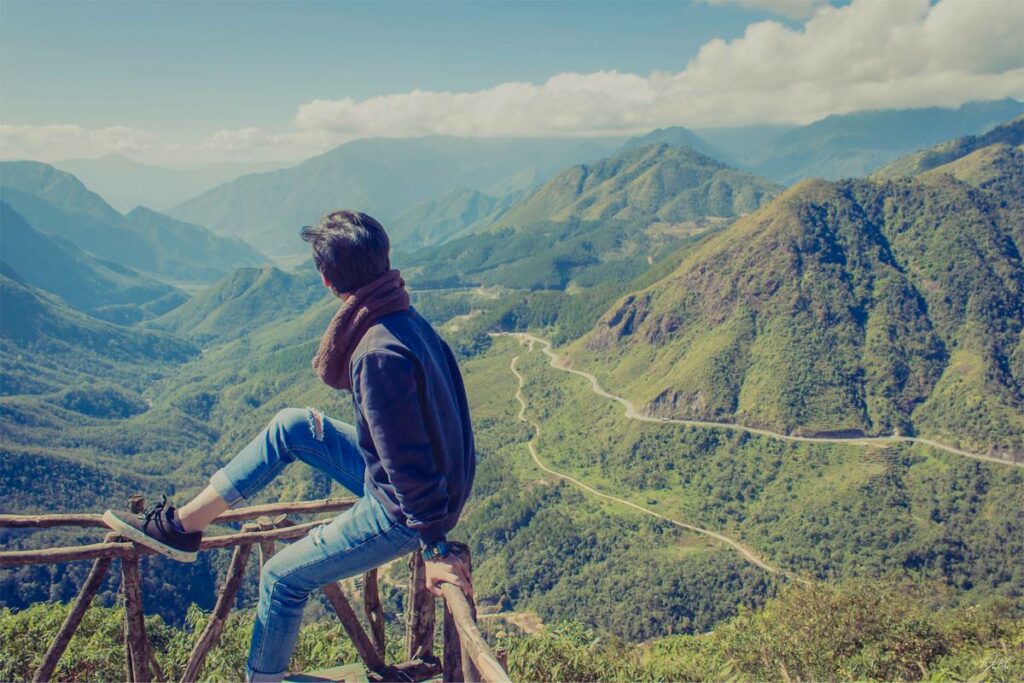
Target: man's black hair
(349,248)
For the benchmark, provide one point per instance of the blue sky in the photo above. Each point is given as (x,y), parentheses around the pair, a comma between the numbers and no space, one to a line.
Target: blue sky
(162,65)
(163,80)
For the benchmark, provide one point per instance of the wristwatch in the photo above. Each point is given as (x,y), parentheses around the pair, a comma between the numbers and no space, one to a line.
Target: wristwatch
(437,549)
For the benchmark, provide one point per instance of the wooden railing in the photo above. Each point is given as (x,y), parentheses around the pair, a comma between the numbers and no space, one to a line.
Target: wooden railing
(466,656)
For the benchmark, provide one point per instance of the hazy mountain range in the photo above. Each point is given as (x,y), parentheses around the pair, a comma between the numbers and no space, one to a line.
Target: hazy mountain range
(126,183)
(380,176)
(56,202)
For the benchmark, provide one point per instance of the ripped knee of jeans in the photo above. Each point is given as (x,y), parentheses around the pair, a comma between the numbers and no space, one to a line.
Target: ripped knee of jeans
(316,423)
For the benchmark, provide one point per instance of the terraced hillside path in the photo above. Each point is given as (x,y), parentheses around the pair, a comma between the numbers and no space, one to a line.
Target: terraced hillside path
(558,363)
(747,553)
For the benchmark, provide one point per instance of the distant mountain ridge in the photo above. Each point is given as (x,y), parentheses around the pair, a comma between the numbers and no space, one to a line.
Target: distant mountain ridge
(126,183)
(602,221)
(652,182)
(104,289)
(56,202)
(851,307)
(853,145)
(382,176)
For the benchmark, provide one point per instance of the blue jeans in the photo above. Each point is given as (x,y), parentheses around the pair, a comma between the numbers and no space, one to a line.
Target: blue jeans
(359,539)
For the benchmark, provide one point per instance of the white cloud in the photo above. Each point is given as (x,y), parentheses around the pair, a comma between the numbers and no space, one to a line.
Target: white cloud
(65,141)
(871,54)
(794,9)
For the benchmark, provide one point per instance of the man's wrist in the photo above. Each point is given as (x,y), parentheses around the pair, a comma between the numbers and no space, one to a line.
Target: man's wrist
(436,550)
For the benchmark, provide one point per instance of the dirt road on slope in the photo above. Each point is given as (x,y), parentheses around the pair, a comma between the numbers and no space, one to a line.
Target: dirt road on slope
(748,554)
(631,412)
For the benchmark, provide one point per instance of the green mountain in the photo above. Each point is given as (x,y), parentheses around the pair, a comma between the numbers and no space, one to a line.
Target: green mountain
(243,301)
(673,136)
(126,183)
(857,307)
(56,202)
(655,183)
(592,223)
(1006,135)
(104,289)
(47,345)
(381,176)
(437,220)
(853,145)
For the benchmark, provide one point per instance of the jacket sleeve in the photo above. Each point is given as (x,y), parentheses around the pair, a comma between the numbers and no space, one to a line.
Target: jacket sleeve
(386,387)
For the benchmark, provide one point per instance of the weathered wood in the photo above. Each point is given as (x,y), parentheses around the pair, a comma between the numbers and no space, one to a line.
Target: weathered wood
(473,644)
(13,558)
(71,622)
(350,621)
(373,610)
(135,617)
(260,536)
(225,601)
(267,548)
(45,521)
(300,507)
(419,615)
(413,670)
(237,515)
(451,658)
(478,661)
(158,673)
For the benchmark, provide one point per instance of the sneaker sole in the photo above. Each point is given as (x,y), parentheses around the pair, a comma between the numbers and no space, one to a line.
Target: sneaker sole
(136,536)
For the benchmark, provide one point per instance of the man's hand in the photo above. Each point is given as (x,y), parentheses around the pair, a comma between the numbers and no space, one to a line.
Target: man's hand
(448,569)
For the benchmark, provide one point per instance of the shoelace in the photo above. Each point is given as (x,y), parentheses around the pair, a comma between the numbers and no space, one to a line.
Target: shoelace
(155,512)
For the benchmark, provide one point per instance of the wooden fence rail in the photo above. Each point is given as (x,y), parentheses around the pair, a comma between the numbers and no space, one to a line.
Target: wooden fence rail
(467,656)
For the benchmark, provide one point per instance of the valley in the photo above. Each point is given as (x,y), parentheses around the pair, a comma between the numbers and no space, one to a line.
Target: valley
(694,390)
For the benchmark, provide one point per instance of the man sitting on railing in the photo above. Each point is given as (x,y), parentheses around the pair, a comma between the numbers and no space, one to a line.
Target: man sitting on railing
(409,456)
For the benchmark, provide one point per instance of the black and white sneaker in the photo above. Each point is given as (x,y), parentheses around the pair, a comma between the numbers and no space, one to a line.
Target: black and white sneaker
(155,530)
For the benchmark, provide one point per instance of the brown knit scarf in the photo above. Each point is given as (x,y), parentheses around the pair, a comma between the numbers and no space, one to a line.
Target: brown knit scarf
(384,295)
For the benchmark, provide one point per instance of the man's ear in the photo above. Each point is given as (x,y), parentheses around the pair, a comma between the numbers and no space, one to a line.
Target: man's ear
(327,283)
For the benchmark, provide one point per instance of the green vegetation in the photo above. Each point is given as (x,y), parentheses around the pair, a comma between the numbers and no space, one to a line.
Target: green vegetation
(855,630)
(824,511)
(595,223)
(854,307)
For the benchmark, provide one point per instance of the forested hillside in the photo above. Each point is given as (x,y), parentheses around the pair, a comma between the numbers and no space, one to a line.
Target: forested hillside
(858,307)
(595,223)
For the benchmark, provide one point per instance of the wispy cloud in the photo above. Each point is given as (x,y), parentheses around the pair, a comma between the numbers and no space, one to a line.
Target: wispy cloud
(867,55)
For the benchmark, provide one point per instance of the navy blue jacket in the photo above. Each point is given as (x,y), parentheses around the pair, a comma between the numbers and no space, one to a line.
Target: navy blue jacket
(412,420)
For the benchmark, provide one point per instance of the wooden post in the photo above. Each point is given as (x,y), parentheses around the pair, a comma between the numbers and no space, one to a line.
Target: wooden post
(348,618)
(373,609)
(267,548)
(452,660)
(135,642)
(419,621)
(458,665)
(225,601)
(72,620)
(134,617)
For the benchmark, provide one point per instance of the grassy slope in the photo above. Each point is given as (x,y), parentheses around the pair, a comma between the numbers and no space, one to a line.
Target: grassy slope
(820,510)
(836,308)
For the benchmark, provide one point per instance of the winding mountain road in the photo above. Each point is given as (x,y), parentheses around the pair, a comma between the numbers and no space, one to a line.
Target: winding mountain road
(747,553)
(631,412)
